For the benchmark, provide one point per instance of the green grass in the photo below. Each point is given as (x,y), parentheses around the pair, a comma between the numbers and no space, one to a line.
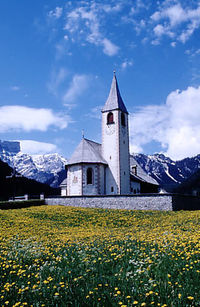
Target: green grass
(56,256)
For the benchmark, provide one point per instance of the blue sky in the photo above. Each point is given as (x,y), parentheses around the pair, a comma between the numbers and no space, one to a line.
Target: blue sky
(57,60)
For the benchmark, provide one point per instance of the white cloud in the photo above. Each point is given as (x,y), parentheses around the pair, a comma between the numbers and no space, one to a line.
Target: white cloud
(23,118)
(57,78)
(95,112)
(177,21)
(33,147)
(175,125)
(174,13)
(109,48)
(78,85)
(57,13)
(15,88)
(126,64)
(84,23)
(135,149)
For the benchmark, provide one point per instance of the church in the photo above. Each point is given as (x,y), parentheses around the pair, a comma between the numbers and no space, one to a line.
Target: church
(107,168)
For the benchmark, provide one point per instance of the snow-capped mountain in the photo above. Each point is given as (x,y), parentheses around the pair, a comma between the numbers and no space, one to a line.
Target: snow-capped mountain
(50,168)
(168,173)
(43,168)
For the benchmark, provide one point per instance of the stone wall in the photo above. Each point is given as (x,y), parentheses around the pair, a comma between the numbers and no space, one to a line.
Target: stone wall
(162,202)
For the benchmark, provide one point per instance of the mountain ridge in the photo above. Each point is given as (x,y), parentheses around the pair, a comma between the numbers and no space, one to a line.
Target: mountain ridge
(50,168)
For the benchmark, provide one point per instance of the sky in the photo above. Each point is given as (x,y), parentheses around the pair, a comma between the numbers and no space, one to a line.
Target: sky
(56,66)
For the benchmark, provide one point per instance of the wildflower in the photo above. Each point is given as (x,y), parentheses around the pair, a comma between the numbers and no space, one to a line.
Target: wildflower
(179,295)
(190,298)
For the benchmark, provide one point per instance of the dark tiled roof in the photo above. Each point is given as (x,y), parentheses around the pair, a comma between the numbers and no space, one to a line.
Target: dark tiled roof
(87,152)
(114,101)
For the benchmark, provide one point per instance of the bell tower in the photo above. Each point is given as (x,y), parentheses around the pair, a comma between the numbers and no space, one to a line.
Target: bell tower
(115,142)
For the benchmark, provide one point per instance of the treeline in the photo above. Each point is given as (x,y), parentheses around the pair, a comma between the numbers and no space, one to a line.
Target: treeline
(13,185)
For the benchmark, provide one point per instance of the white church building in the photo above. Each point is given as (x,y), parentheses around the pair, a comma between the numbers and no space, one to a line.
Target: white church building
(107,168)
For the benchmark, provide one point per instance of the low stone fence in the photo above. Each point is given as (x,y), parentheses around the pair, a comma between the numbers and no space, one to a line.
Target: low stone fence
(162,202)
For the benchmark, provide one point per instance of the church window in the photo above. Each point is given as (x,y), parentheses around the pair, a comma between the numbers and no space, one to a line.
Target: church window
(123,119)
(110,119)
(89,175)
(112,189)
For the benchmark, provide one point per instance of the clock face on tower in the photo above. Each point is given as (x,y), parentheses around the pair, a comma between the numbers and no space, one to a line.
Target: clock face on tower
(110,129)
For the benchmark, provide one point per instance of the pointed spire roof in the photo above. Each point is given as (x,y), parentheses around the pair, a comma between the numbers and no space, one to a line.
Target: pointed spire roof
(87,152)
(114,101)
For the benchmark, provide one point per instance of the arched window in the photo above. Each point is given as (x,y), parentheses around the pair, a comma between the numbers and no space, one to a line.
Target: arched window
(123,119)
(89,175)
(110,119)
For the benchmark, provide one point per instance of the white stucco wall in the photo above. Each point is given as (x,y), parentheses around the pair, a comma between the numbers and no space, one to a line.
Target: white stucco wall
(90,189)
(115,150)
(64,191)
(74,180)
(124,155)
(110,152)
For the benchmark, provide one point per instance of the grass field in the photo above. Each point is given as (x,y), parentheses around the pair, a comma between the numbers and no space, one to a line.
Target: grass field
(64,256)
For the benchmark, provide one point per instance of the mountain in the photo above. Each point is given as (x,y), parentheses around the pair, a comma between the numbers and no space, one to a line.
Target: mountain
(48,168)
(168,173)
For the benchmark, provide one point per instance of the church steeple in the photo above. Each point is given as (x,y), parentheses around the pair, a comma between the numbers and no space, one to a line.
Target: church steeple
(114,101)
(115,142)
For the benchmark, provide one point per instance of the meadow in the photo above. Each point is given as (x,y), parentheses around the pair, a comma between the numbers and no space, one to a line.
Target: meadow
(64,256)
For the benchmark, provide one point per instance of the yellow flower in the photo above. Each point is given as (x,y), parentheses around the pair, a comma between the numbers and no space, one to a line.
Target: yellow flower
(190,298)
(135,302)
(179,295)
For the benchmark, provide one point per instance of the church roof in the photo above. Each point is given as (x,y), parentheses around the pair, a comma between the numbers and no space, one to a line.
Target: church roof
(141,176)
(114,101)
(87,152)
